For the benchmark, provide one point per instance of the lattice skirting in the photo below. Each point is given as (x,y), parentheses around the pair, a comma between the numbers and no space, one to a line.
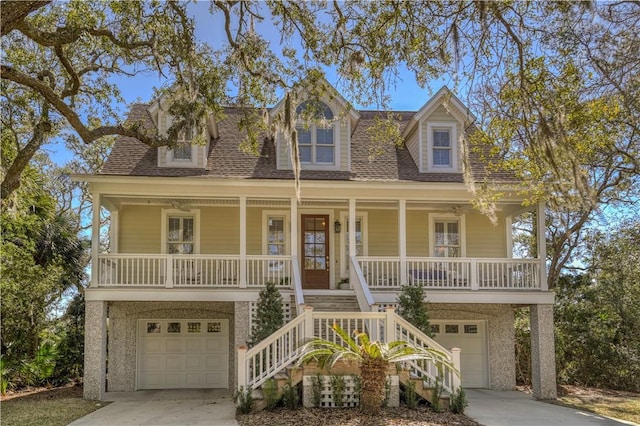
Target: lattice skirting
(350,396)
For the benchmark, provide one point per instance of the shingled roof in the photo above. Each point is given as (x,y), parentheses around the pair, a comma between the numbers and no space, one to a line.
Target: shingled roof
(130,157)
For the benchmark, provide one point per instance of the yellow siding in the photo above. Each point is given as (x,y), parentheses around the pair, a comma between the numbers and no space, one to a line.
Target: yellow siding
(417,233)
(219,230)
(254,231)
(414,148)
(483,238)
(383,233)
(139,229)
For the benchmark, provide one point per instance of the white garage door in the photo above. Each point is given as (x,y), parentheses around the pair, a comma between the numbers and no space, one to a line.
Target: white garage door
(175,354)
(471,338)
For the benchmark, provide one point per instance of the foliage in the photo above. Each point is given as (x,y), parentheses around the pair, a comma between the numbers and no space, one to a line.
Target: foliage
(437,394)
(69,329)
(37,371)
(244,400)
(269,314)
(413,308)
(270,393)
(410,395)
(458,401)
(598,314)
(290,395)
(523,346)
(373,358)
(316,389)
(338,386)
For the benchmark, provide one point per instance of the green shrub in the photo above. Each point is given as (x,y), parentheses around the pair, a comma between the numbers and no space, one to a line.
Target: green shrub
(290,397)
(458,401)
(410,396)
(316,389)
(269,314)
(338,386)
(244,400)
(270,393)
(413,308)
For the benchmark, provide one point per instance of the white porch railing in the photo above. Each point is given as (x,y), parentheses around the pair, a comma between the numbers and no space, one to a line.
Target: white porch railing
(282,348)
(451,273)
(264,269)
(200,271)
(360,287)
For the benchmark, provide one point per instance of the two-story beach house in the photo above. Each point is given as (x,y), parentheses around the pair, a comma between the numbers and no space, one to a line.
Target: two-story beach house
(196,232)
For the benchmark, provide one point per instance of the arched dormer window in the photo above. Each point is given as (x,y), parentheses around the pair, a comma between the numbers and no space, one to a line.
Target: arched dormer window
(316,140)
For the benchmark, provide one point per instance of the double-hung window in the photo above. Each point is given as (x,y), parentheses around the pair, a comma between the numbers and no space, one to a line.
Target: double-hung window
(180,234)
(276,243)
(447,241)
(316,142)
(441,147)
(184,150)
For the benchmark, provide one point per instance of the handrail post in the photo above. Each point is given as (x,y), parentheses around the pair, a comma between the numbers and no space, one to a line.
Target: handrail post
(169,268)
(390,325)
(308,322)
(473,266)
(455,380)
(242,367)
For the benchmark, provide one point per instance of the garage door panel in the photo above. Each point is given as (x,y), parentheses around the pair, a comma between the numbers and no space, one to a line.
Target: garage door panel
(174,344)
(195,345)
(183,354)
(217,344)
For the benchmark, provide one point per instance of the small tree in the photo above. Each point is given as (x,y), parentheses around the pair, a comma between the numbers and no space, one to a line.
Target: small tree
(412,307)
(269,315)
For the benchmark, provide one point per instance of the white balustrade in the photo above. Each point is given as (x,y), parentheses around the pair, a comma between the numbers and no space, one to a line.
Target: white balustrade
(381,272)
(508,274)
(205,270)
(130,269)
(264,269)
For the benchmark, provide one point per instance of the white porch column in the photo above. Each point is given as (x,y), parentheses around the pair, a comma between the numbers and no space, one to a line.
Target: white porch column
(542,245)
(508,224)
(95,349)
(352,227)
(543,353)
(294,226)
(243,242)
(95,238)
(402,240)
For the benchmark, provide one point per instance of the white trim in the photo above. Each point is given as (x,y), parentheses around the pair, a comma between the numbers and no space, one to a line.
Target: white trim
(420,150)
(452,126)
(508,224)
(364,223)
(195,213)
(433,217)
(95,237)
(402,238)
(287,229)
(243,241)
(348,142)
(113,231)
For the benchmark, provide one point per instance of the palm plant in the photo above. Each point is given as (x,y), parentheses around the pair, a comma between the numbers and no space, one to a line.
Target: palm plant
(373,358)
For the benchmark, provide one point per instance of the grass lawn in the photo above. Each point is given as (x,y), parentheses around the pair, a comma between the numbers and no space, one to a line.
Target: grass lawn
(59,406)
(617,404)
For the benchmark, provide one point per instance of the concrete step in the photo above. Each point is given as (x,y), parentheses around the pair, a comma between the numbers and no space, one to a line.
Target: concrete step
(346,303)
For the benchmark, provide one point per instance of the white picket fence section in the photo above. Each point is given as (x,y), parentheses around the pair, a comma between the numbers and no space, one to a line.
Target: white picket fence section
(282,348)
(264,269)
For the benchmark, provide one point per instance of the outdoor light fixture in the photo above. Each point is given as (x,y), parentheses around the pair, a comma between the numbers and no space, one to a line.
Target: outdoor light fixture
(337,226)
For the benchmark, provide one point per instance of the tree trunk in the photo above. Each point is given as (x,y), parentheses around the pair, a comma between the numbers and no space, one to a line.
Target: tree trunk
(373,372)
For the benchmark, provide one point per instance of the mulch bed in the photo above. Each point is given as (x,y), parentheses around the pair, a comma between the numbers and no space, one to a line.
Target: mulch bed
(400,416)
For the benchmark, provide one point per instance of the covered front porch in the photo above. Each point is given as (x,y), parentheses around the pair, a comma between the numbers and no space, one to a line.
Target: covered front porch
(226,244)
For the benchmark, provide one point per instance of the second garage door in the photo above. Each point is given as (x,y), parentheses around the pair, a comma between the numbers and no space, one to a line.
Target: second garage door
(470,337)
(179,353)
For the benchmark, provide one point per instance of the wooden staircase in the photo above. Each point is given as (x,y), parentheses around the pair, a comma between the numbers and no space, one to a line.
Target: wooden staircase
(346,303)
(424,390)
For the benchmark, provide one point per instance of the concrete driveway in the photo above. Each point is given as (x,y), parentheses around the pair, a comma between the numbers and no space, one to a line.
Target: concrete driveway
(165,407)
(509,408)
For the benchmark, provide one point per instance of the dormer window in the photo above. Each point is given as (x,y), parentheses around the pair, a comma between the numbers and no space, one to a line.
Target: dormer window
(442,147)
(184,150)
(316,140)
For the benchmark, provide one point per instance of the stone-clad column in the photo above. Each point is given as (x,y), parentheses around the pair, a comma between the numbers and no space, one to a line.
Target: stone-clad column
(242,310)
(95,349)
(543,355)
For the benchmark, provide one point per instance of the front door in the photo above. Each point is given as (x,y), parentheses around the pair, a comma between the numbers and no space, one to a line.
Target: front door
(315,251)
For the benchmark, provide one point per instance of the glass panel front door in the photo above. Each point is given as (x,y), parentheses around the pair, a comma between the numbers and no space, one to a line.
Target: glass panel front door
(315,251)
